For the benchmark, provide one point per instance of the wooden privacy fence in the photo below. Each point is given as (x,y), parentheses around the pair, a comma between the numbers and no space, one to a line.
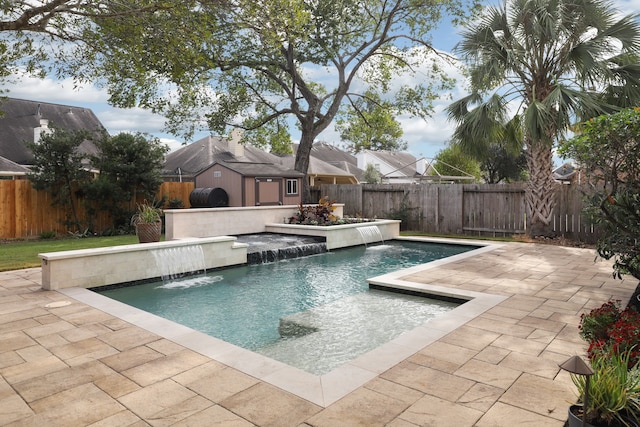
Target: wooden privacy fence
(25,212)
(473,209)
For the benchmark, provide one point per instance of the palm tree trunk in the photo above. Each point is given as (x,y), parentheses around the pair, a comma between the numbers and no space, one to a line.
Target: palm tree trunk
(540,190)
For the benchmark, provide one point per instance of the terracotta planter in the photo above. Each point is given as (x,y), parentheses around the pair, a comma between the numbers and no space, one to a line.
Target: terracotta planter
(148,232)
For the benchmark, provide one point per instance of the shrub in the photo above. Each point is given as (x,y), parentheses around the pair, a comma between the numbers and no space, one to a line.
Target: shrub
(611,331)
(320,214)
(46,235)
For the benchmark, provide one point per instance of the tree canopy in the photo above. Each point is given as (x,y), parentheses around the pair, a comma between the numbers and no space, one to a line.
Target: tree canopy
(250,64)
(451,163)
(548,64)
(33,34)
(369,124)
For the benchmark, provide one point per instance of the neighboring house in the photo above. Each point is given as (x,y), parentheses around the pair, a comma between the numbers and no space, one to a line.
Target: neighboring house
(337,157)
(566,174)
(248,175)
(12,170)
(328,165)
(24,121)
(320,172)
(395,167)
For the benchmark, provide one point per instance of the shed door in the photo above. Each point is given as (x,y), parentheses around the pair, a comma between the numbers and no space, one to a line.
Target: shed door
(268,191)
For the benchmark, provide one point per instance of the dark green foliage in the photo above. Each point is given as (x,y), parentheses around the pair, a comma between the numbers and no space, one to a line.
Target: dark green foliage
(608,149)
(500,164)
(403,213)
(176,203)
(130,169)
(57,168)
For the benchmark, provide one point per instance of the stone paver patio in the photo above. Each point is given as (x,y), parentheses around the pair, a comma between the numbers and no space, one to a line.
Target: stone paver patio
(66,363)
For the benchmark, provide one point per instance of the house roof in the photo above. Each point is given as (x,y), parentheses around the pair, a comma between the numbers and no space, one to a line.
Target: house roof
(261,169)
(9,168)
(200,155)
(335,157)
(21,117)
(402,163)
(565,172)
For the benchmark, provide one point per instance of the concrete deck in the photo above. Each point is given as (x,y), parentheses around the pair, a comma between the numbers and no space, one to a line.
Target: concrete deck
(67,363)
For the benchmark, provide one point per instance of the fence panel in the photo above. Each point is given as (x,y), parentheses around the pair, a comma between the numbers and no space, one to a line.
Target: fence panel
(475,209)
(26,212)
(494,209)
(569,218)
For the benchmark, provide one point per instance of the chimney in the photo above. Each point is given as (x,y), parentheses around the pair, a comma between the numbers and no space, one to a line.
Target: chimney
(235,147)
(40,130)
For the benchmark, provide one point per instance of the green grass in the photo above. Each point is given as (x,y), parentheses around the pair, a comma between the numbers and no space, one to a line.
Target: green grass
(15,255)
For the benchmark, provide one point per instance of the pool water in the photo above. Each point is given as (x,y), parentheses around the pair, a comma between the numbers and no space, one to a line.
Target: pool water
(314,313)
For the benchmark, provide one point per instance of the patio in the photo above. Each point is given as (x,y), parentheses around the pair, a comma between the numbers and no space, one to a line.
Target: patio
(65,363)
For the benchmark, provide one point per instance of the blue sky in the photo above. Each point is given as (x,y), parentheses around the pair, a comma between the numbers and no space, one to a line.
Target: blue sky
(424,138)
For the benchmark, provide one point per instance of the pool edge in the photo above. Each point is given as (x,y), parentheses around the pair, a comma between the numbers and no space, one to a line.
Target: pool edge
(328,388)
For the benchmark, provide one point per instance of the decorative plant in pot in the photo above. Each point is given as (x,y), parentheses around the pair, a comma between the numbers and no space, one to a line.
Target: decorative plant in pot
(148,222)
(613,396)
(612,393)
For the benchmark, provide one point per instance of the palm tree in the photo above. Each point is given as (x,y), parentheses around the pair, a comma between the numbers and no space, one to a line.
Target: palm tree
(545,64)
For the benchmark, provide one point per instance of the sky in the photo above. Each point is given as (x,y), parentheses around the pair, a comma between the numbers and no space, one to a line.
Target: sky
(424,138)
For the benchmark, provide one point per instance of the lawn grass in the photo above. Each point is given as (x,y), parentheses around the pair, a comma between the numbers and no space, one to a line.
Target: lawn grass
(15,255)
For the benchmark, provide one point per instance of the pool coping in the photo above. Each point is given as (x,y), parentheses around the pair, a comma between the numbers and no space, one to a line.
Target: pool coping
(325,389)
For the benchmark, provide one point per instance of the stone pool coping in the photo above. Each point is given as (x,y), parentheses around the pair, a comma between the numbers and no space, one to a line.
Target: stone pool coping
(325,389)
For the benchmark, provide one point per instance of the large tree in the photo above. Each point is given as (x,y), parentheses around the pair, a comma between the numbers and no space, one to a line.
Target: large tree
(256,64)
(35,35)
(552,63)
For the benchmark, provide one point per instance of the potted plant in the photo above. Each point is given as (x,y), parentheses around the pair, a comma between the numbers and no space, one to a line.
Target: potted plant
(612,393)
(148,222)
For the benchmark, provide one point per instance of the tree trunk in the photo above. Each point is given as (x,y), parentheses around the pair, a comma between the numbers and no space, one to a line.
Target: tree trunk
(302,163)
(540,190)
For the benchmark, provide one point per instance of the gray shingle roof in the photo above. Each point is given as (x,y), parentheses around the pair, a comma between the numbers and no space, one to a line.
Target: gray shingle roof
(21,117)
(262,169)
(401,162)
(335,156)
(9,168)
(200,155)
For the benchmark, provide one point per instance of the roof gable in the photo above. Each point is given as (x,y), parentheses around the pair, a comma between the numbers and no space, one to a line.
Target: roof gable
(398,163)
(194,158)
(21,117)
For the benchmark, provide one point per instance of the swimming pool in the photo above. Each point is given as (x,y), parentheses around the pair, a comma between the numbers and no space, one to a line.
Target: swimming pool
(314,313)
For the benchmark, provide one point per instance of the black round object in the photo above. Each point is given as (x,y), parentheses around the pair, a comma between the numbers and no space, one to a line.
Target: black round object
(208,198)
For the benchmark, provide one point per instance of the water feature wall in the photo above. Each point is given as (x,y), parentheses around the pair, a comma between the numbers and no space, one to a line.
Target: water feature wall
(277,254)
(340,236)
(210,222)
(370,234)
(89,268)
(176,261)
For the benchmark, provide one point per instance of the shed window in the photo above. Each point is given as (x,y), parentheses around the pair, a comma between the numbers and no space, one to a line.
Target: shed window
(292,186)
(217,174)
